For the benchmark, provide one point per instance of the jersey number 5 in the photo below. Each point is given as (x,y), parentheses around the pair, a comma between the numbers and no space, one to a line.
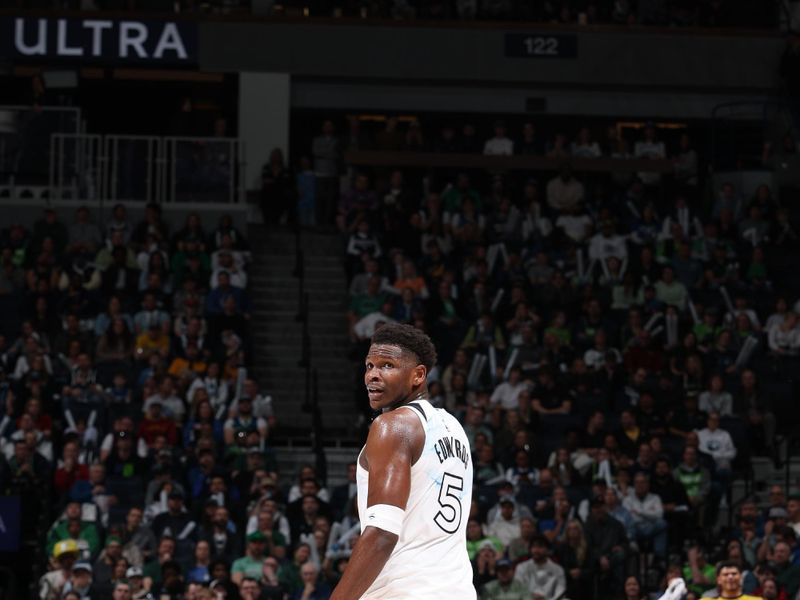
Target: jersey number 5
(449,517)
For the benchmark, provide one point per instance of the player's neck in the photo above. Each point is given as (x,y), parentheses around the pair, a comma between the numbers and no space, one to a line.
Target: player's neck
(420,395)
(413,397)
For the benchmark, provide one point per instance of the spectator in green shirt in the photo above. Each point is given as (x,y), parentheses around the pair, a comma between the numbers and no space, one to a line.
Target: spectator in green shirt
(87,531)
(454,197)
(671,291)
(370,302)
(250,564)
(698,574)
(476,539)
(504,587)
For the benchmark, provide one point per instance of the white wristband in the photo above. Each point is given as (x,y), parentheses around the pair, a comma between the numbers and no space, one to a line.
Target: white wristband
(384,516)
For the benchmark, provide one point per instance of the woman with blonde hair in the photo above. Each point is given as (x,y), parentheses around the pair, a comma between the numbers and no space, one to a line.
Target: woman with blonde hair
(573,556)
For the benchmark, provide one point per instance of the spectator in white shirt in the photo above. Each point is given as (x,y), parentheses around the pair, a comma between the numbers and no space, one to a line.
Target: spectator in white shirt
(607,243)
(238,277)
(173,405)
(575,224)
(543,578)
(785,339)
(649,147)
(717,443)
(371,269)
(363,242)
(648,514)
(564,193)
(715,398)
(507,393)
(262,403)
(741,308)
(505,526)
(500,144)
(777,318)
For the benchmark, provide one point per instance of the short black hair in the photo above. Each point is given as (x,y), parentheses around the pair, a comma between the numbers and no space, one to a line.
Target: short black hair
(410,339)
(728,564)
(540,540)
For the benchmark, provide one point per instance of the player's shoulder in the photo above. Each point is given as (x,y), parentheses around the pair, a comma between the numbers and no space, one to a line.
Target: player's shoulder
(394,423)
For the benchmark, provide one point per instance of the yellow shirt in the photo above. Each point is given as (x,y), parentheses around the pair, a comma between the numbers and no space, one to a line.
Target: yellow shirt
(742,597)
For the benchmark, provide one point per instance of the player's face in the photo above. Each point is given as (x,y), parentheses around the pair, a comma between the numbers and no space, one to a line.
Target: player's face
(729,581)
(390,376)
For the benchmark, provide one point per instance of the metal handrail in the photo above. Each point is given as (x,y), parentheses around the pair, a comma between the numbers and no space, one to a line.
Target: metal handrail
(317,444)
(311,399)
(789,440)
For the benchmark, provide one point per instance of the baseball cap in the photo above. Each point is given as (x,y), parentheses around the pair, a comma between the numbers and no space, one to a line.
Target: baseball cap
(176,493)
(134,572)
(485,544)
(503,563)
(256,536)
(65,547)
(82,566)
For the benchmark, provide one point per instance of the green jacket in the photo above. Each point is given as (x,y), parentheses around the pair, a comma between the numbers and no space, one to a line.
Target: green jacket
(514,591)
(88,533)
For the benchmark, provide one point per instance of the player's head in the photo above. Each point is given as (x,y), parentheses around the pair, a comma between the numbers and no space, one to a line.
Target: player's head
(397,365)
(729,579)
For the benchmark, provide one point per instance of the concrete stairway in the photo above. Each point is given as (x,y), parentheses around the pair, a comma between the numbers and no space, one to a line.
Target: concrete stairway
(278,336)
(290,460)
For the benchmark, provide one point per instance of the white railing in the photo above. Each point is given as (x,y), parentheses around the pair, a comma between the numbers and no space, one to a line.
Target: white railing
(146,169)
(78,165)
(126,155)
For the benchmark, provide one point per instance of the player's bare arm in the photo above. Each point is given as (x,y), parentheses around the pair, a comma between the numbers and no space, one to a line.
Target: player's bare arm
(394,444)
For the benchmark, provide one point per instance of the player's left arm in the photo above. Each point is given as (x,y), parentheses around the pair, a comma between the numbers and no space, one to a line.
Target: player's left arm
(394,443)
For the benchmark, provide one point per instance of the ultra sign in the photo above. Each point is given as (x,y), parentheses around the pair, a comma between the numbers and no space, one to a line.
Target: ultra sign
(107,41)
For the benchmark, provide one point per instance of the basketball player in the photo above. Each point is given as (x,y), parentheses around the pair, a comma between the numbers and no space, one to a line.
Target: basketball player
(414,478)
(729,582)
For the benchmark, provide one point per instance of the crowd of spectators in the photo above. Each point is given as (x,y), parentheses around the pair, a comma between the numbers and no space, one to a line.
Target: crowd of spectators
(131,430)
(617,346)
(675,13)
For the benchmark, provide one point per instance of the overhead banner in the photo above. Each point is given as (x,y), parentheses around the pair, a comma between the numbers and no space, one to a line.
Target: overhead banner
(110,42)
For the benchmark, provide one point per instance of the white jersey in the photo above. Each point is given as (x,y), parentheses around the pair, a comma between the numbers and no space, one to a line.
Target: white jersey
(430,559)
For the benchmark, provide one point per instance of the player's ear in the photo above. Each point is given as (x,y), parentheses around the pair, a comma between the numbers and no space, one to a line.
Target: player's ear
(420,372)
